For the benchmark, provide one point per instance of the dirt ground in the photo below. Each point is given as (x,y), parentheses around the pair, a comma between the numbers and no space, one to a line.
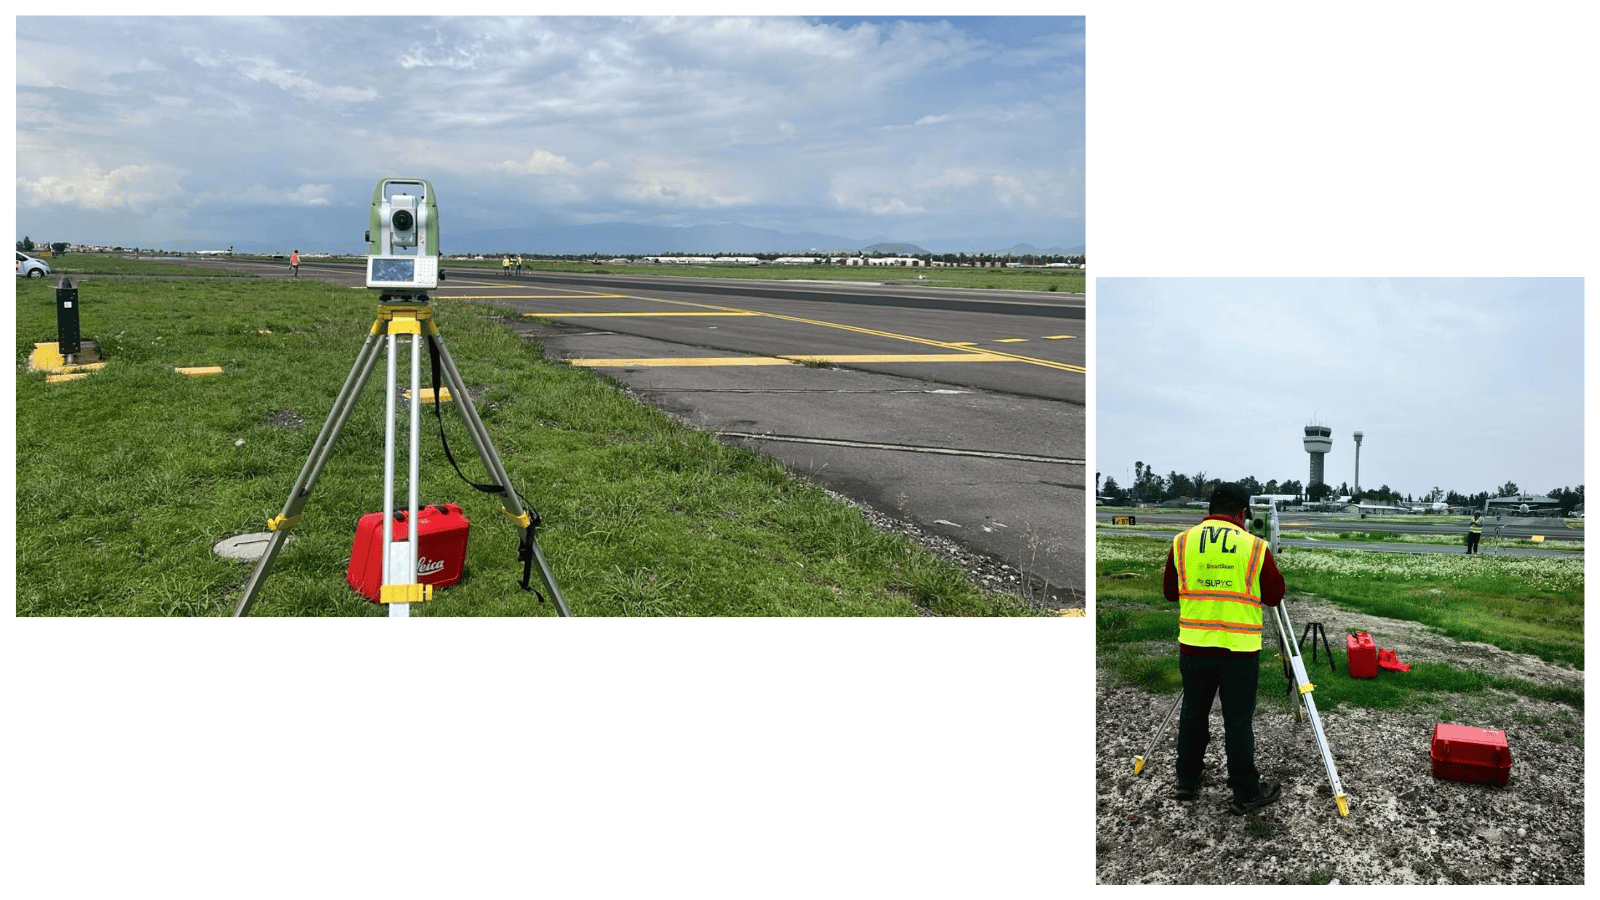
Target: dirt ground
(1404,827)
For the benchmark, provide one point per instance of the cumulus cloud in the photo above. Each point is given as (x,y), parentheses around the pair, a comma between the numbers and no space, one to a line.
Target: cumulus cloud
(125,187)
(933,120)
(539,162)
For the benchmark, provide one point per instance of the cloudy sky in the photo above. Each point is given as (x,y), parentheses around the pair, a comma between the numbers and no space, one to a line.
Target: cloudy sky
(144,130)
(1463,384)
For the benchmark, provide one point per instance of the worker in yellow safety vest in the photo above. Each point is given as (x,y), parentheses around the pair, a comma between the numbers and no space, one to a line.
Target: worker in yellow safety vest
(1474,534)
(519,264)
(1221,576)
(505,265)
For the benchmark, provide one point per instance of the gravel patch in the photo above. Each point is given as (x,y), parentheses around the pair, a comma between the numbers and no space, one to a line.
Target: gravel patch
(1404,827)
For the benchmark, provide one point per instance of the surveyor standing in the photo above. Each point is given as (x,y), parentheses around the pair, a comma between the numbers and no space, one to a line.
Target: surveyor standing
(294,263)
(1474,533)
(505,265)
(1221,575)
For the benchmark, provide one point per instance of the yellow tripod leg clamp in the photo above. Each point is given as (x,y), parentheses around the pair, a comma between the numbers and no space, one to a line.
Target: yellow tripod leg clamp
(281,522)
(1344,805)
(1307,688)
(1138,763)
(522,520)
(405,593)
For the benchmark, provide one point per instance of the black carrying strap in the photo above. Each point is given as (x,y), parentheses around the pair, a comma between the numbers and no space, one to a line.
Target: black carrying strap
(525,542)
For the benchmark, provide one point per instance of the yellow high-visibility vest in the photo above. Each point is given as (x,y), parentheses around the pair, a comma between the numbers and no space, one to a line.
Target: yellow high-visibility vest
(1476,527)
(1219,586)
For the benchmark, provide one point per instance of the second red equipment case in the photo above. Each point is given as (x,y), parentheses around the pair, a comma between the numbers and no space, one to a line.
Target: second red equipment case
(1465,753)
(1362,654)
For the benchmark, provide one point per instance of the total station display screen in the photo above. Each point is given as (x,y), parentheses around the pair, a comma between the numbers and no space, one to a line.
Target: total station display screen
(397,270)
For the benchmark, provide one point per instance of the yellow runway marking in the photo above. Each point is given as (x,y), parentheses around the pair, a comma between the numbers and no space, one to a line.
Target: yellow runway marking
(966,347)
(1060,337)
(1049,364)
(1011,340)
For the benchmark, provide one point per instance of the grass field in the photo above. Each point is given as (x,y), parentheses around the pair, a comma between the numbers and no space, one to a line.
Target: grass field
(1531,606)
(126,478)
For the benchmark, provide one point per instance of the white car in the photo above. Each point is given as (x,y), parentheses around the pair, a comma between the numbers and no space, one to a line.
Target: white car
(30,267)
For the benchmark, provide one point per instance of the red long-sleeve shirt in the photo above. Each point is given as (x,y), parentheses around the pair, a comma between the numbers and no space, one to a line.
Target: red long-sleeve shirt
(1272,591)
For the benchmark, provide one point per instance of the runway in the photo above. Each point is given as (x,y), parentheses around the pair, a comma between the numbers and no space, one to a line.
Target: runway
(961,412)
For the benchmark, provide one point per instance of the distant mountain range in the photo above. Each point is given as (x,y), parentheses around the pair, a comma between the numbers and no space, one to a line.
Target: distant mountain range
(618,238)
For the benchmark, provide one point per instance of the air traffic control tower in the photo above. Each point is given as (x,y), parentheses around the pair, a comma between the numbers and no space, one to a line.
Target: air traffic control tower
(1319,440)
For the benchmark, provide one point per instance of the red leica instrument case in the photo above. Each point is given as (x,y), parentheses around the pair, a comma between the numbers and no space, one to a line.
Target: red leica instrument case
(1362,654)
(1465,753)
(441,548)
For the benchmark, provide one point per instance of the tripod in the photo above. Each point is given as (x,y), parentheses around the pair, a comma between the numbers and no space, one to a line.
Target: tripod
(409,315)
(1307,708)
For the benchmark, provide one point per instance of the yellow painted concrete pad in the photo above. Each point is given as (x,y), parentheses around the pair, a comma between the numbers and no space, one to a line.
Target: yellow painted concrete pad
(427,395)
(1074,613)
(198,370)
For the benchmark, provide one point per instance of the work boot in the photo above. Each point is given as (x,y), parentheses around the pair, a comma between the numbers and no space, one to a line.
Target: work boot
(1187,793)
(1270,789)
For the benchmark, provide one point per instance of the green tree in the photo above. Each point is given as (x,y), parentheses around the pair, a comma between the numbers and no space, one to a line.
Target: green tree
(1509,489)
(26,244)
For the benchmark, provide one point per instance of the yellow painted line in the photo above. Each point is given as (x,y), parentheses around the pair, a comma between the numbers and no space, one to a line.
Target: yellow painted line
(599,315)
(1011,340)
(645,362)
(968,347)
(67,376)
(887,334)
(198,370)
(1060,337)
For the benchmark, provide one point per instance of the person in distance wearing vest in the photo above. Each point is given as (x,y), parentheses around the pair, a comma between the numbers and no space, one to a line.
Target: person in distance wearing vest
(1221,575)
(1474,534)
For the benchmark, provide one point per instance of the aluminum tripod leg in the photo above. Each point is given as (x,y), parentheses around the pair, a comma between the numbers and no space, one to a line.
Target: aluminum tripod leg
(1139,761)
(1303,683)
(320,451)
(491,461)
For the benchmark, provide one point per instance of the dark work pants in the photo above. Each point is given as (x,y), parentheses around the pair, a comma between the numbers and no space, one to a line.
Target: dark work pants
(1472,542)
(1204,677)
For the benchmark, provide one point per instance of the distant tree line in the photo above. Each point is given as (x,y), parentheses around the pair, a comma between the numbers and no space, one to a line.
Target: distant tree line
(1175,487)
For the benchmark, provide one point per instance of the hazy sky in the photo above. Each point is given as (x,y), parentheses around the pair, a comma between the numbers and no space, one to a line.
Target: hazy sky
(1463,384)
(140,130)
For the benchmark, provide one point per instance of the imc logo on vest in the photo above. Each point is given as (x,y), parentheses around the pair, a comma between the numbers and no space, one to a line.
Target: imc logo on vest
(1218,535)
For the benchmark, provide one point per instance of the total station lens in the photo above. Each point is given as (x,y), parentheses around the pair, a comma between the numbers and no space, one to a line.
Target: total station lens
(403,220)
